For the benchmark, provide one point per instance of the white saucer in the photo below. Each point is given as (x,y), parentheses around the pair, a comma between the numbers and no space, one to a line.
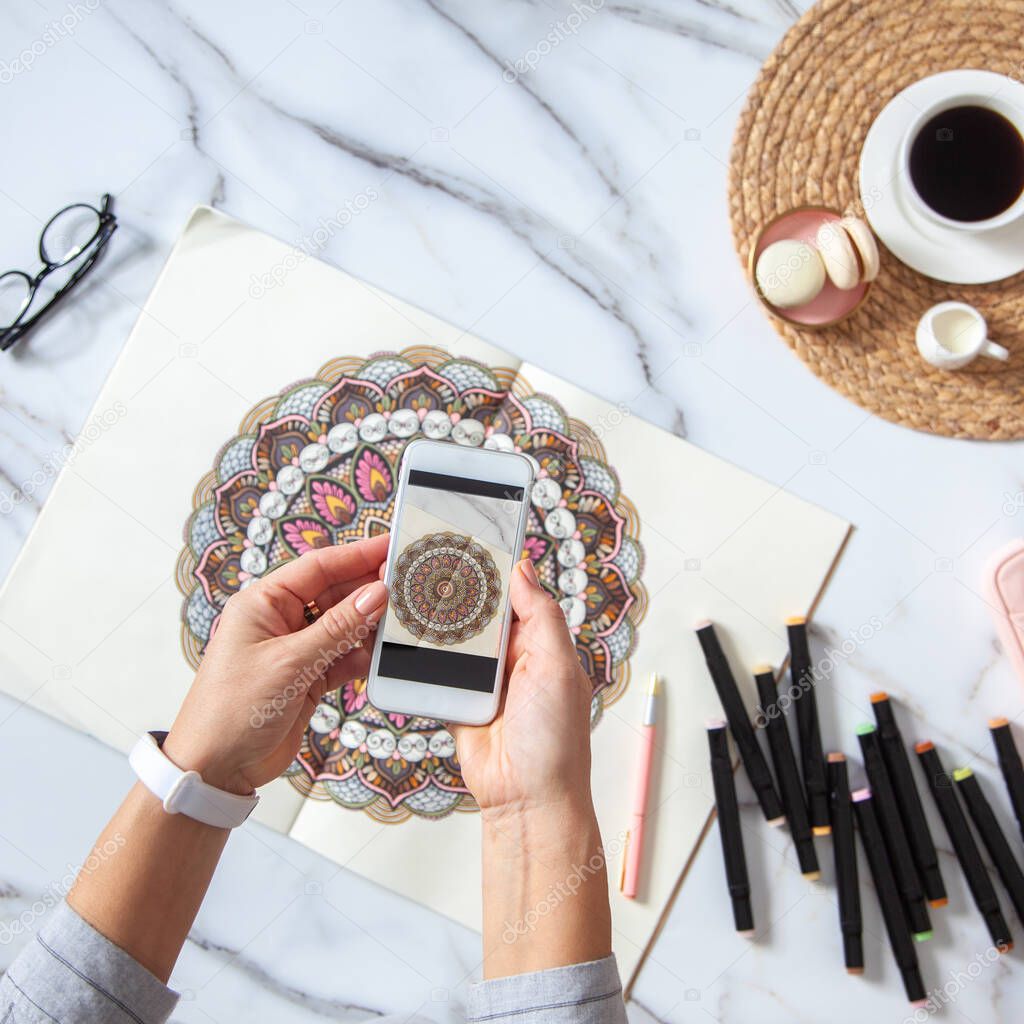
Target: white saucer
(945,254)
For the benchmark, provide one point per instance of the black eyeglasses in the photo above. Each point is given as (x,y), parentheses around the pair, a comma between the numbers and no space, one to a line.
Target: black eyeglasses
(69,246)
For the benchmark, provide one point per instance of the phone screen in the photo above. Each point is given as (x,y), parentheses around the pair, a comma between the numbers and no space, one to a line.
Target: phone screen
(454,547)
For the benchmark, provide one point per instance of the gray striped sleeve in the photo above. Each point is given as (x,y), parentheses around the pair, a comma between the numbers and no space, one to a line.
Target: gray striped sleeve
(71,974)
(589,993)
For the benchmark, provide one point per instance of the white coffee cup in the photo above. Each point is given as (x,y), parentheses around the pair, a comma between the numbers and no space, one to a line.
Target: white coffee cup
(956,96)
(951,334)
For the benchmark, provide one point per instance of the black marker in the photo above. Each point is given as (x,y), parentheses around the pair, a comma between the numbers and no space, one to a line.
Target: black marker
(914,821)
(739,724)
(1009,761)
(889,897)
(992,836)
(896,842)
(729,827)
(841,813)
(786,772)
(966,849)
(808,729)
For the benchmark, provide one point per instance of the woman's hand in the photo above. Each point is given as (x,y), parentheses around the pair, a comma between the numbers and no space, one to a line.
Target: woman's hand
(535,756)
(266,669)
(544,876)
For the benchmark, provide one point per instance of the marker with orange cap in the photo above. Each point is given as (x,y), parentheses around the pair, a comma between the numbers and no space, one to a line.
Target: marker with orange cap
(896,843)
(786,772)
(914,821)
(635,837)
(1009,762)
(808,729)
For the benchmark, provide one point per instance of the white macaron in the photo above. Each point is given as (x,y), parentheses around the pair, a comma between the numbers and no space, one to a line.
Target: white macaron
(838,255)
(867,247)
(789,273)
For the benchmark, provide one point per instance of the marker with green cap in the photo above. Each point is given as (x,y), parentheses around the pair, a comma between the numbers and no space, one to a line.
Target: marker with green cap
(982,888)
(896,843)
(992,836)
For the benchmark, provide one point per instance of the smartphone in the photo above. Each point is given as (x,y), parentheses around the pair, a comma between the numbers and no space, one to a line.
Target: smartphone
(456,535)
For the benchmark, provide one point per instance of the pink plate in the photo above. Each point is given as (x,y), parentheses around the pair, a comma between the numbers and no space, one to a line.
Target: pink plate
(832,304)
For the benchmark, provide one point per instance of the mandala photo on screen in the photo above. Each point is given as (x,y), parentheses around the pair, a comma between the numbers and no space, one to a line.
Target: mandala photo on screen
(446,588)
(317,465)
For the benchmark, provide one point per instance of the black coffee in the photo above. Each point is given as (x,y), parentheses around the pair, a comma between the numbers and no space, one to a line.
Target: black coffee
(967,163)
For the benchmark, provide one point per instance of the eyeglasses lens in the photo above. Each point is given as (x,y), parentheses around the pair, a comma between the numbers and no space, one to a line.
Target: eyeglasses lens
(68,234)
(15,293)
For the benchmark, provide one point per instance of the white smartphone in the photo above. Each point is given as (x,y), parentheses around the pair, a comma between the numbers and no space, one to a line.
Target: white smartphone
(456,535)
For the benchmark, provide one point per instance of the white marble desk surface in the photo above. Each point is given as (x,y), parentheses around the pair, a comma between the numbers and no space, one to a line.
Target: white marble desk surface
(576,215)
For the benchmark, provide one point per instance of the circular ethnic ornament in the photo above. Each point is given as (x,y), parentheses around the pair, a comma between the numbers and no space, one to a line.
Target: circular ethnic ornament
(317,465)
(446,588)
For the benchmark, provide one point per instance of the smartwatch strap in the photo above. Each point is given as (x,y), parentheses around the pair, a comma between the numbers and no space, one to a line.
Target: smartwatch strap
(185,792)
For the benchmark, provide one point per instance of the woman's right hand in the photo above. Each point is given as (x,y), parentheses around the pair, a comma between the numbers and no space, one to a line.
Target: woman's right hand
(535,755)
(545,884)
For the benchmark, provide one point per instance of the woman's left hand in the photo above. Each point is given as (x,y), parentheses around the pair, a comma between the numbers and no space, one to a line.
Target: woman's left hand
(266,669)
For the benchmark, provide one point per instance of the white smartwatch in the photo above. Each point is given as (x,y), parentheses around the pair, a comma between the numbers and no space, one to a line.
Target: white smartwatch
(185,792)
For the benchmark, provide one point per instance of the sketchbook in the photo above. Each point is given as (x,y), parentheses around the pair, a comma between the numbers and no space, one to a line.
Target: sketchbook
(259,409)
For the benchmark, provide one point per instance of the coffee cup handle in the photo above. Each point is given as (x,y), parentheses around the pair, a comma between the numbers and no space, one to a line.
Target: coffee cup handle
(990,348)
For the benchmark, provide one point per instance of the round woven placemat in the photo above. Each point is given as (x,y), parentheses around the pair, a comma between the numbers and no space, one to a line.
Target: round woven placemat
(798,142)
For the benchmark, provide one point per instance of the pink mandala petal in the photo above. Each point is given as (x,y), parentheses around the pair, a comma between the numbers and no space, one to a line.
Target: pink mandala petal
(373,476)
(303,535)
(334,503)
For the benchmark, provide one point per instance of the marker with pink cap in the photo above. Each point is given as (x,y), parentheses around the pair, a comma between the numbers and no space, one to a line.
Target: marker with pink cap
(889,896)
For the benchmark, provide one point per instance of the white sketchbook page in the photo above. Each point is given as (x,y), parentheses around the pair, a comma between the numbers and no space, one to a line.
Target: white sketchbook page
(763,556)
(90,614)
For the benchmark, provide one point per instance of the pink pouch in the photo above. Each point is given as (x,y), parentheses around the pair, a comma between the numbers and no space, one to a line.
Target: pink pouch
(1004,590)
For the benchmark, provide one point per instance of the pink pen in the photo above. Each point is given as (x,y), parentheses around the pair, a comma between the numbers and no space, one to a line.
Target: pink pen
(635,837)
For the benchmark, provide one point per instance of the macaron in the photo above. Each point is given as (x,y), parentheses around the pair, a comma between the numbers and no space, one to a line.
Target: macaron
(866,246)
(838,255)
(789,273)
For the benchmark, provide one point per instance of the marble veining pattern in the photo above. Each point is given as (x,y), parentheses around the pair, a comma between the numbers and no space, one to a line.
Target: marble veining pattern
(490,520)
(551,177)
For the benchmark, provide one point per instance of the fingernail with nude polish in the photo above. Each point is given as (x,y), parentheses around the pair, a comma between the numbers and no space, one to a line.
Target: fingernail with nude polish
(527,569)
(371,597)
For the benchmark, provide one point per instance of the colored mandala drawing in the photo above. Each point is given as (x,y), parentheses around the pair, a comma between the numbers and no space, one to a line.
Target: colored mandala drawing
(316,465)
(446,588)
